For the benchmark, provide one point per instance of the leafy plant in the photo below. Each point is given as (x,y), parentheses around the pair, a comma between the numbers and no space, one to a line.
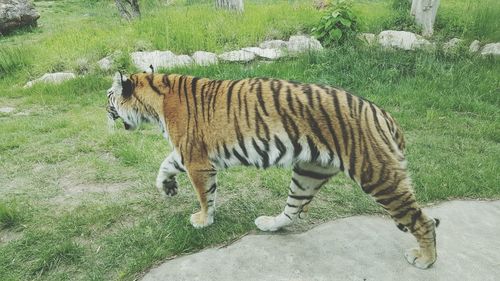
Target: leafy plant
(338,25)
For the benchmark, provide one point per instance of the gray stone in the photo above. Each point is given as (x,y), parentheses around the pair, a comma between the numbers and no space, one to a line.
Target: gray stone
(402,40)
(300,44)
(368,38)
(7,109)
(159,59)
(16,13)
(204,58)
(452,45)
(237,56)
(474,46)
(271,54)
(356,248)
(105,63)
(52,78)
(182,60)
(274,44)
(491,49)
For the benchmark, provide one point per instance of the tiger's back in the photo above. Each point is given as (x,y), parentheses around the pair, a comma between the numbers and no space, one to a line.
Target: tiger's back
(265,122)
(318,130)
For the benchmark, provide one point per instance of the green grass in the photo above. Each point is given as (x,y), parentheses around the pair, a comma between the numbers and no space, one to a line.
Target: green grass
(79,203)
(480,21)
(447,105)
(11,216)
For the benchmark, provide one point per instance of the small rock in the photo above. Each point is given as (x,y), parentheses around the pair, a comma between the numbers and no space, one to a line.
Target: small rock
(105,63)
(274,44)
(491,49)
(368,38)
(6,109)
(452,45)
(300,44)
(204,58)
(271,54)
(182,60)
(237,56)
(474,46)
(52,78)
(159,59)
(402,40)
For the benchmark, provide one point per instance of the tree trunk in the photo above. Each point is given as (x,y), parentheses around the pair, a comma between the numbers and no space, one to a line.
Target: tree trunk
(425,12)
(129,9)
(235,5)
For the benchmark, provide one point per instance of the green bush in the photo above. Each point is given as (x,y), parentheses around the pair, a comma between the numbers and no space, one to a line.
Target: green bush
(338,25)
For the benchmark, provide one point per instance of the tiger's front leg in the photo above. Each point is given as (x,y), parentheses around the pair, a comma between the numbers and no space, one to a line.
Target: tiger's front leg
(170,167)
(204,180)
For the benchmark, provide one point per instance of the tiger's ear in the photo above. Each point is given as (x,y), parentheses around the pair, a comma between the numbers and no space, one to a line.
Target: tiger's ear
(127,88)
(123,84)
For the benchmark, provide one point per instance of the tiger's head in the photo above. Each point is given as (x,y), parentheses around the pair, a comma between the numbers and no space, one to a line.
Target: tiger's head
(131,101)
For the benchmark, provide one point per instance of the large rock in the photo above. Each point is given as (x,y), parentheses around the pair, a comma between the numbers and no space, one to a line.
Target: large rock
(354,248)
(300,44)
(402,40)
(52,78)
(491,49)
(237,56)
(159,59)
(271,54)
(16,13)
(204,58)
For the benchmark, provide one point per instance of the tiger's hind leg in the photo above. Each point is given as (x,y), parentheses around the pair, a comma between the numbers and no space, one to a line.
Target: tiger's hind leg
(396,196)
(307,179)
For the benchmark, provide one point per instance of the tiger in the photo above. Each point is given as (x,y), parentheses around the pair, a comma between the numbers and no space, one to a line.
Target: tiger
(316,130)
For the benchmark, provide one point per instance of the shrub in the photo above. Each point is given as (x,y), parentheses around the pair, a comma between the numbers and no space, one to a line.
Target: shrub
(338,25)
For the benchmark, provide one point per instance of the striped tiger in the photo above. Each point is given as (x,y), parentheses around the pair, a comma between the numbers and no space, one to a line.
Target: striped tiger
(317,130)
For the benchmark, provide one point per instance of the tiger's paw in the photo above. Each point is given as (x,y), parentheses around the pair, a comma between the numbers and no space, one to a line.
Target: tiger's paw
(415,257)
(200,220)
(167,188)
(266,223)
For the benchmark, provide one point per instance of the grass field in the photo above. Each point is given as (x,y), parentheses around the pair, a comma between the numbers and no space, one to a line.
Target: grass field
(78,202)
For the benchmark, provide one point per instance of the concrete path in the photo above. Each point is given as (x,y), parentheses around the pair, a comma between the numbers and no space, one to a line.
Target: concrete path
(355,248)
